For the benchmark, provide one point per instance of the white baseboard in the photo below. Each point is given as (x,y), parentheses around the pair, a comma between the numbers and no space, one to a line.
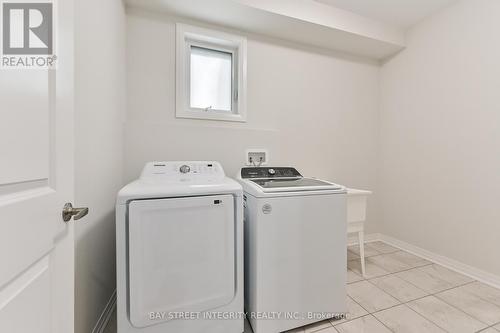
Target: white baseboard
(103,320)
(470,271)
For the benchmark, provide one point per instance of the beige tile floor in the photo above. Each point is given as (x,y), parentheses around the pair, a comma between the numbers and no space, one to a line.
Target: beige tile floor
(404,293)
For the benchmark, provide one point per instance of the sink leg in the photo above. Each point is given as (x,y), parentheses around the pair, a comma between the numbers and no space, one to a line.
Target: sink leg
(361,238)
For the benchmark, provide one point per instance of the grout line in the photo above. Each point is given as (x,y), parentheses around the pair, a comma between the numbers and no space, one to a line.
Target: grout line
(417,267)
(428,293)
(405,270)
(484,329)
(484,299)
(367,313)
(421,315)
(454,306)
(382,323)
(458,286)
(492,326)
(341,321)
(385,292)
(424,291)
(409,269)
(384,275)
(400,303)
(367,244)
(454,265)
(450,306)
(319,322)
(406,304)
(392,306)
(435,295)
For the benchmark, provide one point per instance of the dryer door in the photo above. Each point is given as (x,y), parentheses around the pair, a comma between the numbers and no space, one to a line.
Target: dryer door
(181,256)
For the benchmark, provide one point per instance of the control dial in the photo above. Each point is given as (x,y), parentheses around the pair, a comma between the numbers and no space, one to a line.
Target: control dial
(184,169)
(272,172)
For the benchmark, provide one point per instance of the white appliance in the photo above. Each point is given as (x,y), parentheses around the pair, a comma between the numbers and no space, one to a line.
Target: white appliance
(295,248)
(179,248)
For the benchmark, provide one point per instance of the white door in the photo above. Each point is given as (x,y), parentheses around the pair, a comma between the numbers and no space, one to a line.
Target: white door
(36,179)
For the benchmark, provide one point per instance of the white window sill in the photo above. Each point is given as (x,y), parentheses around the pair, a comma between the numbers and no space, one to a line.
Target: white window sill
(210,115)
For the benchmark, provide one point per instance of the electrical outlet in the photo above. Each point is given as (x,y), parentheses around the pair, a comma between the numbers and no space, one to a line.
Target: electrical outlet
(256,157)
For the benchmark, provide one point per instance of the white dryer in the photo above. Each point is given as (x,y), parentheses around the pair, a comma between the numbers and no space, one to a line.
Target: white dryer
(179,249)
(295,248)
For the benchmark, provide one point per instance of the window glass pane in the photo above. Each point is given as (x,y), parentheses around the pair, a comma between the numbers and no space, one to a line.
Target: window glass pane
(210,79)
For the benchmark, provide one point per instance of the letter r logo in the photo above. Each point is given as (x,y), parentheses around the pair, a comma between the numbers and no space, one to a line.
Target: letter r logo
(27,28)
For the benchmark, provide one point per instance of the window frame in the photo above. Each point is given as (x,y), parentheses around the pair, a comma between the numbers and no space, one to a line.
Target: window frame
(187,36)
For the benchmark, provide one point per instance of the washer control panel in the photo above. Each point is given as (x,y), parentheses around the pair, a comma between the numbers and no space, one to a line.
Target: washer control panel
(183,170)
(270,172)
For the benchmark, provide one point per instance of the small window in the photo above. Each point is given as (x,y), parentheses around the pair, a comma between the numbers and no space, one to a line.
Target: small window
(211,79)
(210,74)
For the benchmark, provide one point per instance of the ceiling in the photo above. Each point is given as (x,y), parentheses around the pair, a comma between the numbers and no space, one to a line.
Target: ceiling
(401,13)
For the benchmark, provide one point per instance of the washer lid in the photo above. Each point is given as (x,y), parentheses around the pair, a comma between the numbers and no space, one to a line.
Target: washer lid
(294,184)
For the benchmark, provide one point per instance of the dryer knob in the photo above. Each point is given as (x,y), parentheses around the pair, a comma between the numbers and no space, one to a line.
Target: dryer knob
(185,169)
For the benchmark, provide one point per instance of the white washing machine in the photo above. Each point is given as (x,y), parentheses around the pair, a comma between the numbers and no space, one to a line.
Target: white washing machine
(295,248)
(179,249)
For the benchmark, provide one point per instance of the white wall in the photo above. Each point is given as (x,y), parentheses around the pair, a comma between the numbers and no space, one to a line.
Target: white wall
(440,136)
(313,110)
(100,104)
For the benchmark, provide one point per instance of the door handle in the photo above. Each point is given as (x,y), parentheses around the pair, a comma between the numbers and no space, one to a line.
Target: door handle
(69,212)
